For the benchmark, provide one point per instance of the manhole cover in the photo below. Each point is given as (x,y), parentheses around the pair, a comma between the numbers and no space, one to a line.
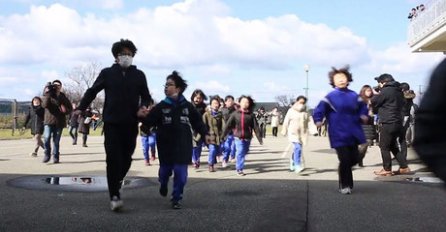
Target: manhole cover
(74,183)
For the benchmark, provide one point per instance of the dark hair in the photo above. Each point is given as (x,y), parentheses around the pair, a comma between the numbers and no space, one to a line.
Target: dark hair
(344,70)
(215,98)
(57,81)
(178,80)
(404,86)
(384,78)
(120,45)
(250,100)
(38,98)
(301,97)
(362,92)
(198,92)
(229,97)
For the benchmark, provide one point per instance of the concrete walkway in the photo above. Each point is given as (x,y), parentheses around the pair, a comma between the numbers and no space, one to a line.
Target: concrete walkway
(268,198)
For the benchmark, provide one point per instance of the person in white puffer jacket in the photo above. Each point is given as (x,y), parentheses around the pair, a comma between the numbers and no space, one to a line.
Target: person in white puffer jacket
(295,125)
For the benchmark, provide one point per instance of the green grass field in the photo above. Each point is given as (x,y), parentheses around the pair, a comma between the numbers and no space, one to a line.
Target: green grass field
(18,134)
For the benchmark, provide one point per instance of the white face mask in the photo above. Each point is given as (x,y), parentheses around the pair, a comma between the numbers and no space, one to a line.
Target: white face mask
(300,107)
(125,61)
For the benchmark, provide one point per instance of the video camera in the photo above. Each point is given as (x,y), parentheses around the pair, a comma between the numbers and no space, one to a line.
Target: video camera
(377,88)
(51,88)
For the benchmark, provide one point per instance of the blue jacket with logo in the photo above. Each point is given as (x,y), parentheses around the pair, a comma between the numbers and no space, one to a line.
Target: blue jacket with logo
(342,108)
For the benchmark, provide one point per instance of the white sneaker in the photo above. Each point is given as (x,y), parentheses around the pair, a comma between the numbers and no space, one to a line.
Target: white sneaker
(345,191)
(116,204)
(298,169)
(224,164)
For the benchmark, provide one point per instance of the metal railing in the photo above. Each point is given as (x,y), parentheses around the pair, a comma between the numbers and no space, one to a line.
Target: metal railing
(427,21)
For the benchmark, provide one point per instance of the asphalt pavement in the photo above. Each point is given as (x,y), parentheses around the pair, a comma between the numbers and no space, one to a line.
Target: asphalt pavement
(268,198)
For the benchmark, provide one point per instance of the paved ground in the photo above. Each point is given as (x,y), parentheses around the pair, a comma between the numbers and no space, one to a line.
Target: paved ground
(269,198)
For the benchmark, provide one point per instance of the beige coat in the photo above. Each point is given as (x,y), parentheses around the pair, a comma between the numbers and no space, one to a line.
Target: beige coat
(275,116)
(295,124)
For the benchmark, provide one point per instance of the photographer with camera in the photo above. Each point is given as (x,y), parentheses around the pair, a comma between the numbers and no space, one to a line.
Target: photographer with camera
(57,107)
(388,104)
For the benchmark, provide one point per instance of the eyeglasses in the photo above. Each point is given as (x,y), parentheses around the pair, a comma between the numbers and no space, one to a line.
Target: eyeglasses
(168,84)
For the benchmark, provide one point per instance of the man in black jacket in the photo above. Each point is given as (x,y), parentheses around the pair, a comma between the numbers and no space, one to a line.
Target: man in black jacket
(430,126)
(126,91)
(388,104)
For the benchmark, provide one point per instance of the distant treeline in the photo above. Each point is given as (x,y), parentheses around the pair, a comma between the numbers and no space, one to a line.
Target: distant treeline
(7,106)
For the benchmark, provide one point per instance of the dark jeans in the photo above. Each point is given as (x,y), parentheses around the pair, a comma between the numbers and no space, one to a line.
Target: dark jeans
(120,143)
(73,134)
(388,143)
(348,157)
(52,131)
(275,131)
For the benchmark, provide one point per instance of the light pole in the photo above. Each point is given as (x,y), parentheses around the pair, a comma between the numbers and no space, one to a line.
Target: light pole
(307,69)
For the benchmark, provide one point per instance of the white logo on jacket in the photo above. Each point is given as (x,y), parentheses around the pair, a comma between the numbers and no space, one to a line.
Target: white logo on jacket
(167,120)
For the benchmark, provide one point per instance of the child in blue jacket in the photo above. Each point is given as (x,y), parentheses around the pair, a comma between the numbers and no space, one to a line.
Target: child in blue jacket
(344,111)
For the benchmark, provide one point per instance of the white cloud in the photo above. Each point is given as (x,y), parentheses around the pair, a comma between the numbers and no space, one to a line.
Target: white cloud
(272,86)
(188,33)
(400,59)
(112,4)
(212,87)
(198,35)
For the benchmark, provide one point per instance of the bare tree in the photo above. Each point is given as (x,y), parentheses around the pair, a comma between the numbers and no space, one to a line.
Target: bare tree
(82,78)
(285,100)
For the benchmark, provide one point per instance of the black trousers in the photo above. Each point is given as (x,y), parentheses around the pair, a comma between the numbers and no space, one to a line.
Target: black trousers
(120,143)
(388,142)
(275,131)
(262,128)
(348,157)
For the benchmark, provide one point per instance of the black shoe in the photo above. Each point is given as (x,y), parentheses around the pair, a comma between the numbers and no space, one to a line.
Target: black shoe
(176,205)
(56,161)
(84,145)
(163,190)
(46,159)
(74,143)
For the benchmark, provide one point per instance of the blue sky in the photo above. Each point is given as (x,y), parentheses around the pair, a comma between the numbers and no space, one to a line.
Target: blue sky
(221,46)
